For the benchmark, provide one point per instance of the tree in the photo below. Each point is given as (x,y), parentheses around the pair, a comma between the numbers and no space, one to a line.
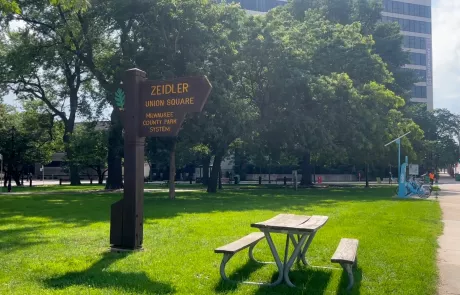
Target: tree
(34,68)
(439,147)
(27,138)
(157,154)
(88,151)
(304,102)
(98,36)
(445,149)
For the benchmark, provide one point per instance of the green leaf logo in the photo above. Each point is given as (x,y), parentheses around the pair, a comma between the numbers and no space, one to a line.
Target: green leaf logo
(120,98)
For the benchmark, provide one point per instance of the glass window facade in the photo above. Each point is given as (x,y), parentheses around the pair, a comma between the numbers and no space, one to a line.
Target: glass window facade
(418,59)
(414,42)
(259,5)
(407,8)
(410,25)
(419,91)
(420,75)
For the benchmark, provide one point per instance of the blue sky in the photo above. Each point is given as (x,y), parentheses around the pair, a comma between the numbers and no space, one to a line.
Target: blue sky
(446,55)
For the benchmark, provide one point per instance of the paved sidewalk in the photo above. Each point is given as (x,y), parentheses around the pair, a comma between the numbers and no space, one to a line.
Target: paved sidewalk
(449,242)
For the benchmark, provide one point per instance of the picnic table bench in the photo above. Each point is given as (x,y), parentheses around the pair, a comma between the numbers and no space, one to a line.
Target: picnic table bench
(231,249)
(300,231)
(346,256)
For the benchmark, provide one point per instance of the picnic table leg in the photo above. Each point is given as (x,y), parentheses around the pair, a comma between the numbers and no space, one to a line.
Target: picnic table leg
(251,255)
(295,242)
(294,256)
(286,251)
(349,269)
(225,259)
(305,248)
(278,262)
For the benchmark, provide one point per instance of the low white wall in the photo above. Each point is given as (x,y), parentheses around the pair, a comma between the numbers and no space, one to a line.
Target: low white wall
(326,177)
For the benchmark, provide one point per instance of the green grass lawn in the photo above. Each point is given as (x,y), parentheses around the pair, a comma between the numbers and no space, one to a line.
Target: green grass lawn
(57,243)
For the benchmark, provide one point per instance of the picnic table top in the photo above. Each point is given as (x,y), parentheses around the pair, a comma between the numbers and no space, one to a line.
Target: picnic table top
(292,222)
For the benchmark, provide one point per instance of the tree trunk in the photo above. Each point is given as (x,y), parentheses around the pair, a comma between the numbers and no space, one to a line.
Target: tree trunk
(314,173)
(366,172)
(100,175)
(269,174)
(172,171)
(306,170)
(115,151)
(220,179)
(74,175)
(17,178)
(212,184)
(205,176)
(150,172)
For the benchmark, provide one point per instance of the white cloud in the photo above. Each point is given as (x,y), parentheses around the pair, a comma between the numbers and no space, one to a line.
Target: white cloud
(446,54)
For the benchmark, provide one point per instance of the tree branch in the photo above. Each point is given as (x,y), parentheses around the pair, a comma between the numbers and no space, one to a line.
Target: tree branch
(71,35)
(36,22)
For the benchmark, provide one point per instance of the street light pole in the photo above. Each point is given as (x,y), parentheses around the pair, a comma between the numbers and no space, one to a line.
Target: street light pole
(399,157)
(10,166)
(1,167)
(401,176)
(456,166)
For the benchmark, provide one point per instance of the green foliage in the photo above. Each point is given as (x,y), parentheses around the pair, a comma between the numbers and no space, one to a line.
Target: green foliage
(77,5)
(157,152)
(27,138)
(9,6)
(88,150)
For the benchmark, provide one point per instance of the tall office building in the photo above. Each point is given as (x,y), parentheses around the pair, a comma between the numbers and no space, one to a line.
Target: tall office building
(414,17)
(259,6)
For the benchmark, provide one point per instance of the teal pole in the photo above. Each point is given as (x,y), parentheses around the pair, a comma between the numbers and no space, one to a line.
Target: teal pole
(401,175)
(399,158)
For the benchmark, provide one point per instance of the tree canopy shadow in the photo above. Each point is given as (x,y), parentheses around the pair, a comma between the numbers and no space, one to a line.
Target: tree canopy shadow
(98,276)
(20,238)
(84,209)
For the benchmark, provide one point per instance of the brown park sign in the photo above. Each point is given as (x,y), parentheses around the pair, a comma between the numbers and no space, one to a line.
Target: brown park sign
(147,108)
(164,104)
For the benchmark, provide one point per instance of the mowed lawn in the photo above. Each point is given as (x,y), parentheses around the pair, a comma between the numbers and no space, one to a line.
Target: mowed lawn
(58,243)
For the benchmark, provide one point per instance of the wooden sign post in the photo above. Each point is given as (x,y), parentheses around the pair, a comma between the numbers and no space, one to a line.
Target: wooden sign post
(148,108)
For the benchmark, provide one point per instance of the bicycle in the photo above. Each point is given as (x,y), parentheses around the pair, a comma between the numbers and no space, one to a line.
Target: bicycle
(415,187)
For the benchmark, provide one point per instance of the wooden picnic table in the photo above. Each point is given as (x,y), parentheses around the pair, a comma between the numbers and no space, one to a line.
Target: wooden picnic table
(300,230)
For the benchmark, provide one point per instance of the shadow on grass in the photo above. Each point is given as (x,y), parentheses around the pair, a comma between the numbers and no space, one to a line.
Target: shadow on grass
(99,277)
(239,275)
(307,281)
(86,208)
(78,210)
(358,276)
(20,238)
